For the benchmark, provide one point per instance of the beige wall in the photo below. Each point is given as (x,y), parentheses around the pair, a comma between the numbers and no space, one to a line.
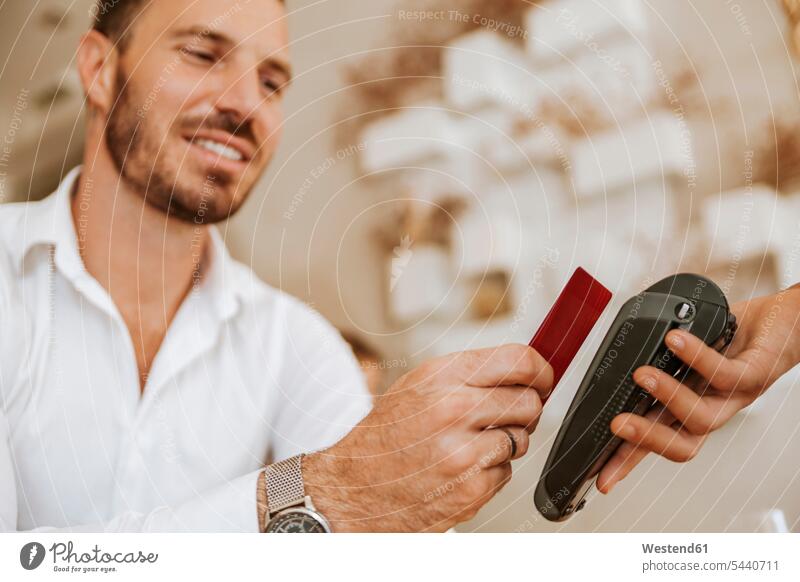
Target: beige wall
(324,253)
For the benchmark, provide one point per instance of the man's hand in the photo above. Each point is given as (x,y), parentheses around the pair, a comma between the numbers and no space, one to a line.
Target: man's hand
(423,459)
(766,346)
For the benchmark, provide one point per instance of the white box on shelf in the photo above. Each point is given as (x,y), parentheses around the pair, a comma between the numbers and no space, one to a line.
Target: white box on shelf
(482,68)
(420,281)
(457,175)
(431,339)
(487,239)
(484,127)
(408,135)
(646,211)
(534,202)
(606,88)
(547,145)
(621,263)
(563,27)
(478,125)
(536,197)
(533,148)
(508,140)
(745,223)
(657,147)
(617,258)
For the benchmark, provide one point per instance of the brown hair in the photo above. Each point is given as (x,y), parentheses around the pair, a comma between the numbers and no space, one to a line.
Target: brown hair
(114,18)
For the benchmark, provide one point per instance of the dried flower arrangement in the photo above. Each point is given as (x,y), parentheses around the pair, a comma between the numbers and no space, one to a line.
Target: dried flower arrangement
(777,162)
(792,8)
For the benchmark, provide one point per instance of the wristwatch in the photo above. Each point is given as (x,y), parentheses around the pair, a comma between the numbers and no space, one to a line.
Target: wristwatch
(289,509)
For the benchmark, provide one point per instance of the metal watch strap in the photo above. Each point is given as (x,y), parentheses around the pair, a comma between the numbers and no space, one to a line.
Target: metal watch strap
(284,484)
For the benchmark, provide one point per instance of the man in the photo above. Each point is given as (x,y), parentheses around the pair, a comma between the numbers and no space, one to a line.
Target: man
(147,378)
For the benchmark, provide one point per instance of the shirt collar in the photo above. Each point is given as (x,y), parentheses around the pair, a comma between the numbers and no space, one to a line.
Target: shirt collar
(50,222)
(221,277)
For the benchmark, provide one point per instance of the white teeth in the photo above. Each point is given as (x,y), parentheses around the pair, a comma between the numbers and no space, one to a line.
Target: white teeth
(220,149)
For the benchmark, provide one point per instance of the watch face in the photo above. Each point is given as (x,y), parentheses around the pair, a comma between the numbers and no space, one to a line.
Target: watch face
(295,521)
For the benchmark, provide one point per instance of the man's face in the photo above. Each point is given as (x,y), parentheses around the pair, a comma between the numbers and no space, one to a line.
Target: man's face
(198,112)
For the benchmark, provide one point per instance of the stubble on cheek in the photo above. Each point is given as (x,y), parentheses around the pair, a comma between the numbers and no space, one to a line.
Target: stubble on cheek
(154,158)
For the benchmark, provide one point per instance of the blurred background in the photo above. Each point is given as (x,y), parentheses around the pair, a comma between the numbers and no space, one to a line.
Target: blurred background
(447,165)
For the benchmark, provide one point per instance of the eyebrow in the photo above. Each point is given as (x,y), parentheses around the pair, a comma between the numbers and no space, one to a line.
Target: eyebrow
(202,33)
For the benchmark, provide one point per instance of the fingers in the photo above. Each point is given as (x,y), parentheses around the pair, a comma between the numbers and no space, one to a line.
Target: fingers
(508,365)
(677,445)
(505,406)
(697,414)
(472,490)
(722,373)
(494,445)
(625,458)
(494,479)
(684,403)
(628,455)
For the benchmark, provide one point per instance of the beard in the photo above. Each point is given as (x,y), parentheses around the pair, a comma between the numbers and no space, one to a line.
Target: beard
(140,151)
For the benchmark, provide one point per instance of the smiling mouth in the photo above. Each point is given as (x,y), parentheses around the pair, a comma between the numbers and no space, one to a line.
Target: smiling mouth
(220,149)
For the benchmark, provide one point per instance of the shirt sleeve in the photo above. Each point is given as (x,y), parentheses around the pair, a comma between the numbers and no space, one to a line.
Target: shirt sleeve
(9,363)
(226,508)
(8,490)
(323,392)
(11,329)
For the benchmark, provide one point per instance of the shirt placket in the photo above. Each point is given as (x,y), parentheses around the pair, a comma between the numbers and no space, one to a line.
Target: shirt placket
(129,461)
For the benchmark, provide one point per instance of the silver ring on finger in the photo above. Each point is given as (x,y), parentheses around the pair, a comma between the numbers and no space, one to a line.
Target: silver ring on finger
(513,442)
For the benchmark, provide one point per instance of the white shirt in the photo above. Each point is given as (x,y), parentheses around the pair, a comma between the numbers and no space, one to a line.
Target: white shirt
(246,375)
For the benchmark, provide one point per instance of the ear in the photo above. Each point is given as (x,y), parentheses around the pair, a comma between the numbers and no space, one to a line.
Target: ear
(98,59)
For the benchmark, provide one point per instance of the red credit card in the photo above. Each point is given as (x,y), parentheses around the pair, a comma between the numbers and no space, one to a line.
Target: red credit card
(570,320)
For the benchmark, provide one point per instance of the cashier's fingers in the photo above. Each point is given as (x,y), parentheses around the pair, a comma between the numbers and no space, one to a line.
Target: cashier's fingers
(624,460)
(722,373)
(685,404)
(675,444)
(628,455)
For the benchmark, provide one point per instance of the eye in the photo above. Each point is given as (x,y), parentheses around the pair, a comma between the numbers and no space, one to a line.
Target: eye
(272,85)
(200,55)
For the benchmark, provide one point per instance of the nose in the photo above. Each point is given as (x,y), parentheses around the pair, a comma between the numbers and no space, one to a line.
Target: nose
(243,98)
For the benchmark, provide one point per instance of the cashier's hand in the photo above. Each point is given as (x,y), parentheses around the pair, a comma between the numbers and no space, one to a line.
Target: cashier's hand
(427,457)
(766,346)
